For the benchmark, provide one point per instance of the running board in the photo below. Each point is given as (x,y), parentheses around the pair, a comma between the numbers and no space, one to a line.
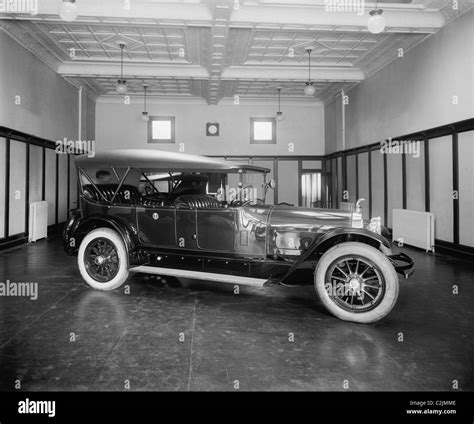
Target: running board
(198,275)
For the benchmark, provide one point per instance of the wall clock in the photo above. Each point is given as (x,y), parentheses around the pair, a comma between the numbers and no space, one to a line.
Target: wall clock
(212,129)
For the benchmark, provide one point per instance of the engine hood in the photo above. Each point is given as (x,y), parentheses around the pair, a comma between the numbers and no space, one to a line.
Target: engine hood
(308,219)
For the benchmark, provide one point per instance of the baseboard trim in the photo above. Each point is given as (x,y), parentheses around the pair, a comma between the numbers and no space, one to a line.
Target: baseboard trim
(22,238)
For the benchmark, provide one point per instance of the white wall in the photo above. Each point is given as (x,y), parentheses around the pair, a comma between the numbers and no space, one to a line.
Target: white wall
(119,126)
(49,104)
(412,93)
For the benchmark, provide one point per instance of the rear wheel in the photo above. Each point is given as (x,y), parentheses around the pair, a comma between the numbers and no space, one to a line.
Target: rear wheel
(102,259)
(356,282)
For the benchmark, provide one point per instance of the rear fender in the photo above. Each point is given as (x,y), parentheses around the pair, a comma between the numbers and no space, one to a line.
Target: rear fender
(77,229)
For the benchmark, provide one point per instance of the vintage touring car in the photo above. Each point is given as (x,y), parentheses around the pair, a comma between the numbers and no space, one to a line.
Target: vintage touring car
(173,214)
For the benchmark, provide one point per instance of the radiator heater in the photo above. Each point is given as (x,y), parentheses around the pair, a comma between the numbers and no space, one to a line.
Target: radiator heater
(414,228)
(38,222)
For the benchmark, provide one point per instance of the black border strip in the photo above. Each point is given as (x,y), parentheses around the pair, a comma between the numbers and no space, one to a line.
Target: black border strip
(357,175)
(6,217)
(300,173)
(427,175)
(27,188)
(455,154)
(404,181)
(385,191)
(56,191)
(369,153)
(43,174)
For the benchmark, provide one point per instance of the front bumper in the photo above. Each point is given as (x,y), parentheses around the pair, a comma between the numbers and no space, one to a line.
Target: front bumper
(403,264)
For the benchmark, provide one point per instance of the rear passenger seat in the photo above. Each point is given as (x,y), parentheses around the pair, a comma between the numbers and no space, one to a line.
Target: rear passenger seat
(127,195)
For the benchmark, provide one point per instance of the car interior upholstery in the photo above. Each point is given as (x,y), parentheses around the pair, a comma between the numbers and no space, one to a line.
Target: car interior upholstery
(127,195)
(130,195)
(197,201)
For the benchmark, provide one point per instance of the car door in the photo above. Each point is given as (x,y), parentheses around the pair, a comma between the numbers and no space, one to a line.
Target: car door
(157,225)
(216,229)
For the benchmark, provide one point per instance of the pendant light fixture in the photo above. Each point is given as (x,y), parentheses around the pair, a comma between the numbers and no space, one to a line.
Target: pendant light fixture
(279,116)
(309,90)
(68,10)
(145,117)
(376,23)
(121,86)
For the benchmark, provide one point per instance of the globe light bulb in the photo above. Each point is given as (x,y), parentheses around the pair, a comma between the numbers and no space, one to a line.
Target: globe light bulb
(279,116)
(121,86)
(376,23)
(309,90)
(68,10)
(145,117)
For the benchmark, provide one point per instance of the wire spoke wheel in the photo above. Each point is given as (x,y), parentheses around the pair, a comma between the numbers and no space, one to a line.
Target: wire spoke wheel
(355,283)
(101,260)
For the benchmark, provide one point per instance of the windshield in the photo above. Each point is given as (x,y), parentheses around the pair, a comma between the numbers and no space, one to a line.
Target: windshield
(246,186)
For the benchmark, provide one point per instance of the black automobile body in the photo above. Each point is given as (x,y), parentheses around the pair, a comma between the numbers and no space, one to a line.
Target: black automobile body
(126,224)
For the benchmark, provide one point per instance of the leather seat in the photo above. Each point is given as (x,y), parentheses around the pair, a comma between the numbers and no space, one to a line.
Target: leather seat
(127,195)
(197,202)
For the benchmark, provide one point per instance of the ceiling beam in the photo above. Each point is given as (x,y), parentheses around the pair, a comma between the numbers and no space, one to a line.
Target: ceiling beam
(132,9)
(131,70)
(286,73)
(317,18)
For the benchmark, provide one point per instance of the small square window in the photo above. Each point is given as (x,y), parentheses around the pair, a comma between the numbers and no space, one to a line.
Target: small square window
(161,129)
(262,131)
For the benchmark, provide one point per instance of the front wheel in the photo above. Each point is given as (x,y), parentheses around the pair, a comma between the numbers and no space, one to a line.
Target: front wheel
(103,260)
(356,282)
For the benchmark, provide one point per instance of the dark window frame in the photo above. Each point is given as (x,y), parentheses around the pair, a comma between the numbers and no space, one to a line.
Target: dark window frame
(150,138)
(252,132)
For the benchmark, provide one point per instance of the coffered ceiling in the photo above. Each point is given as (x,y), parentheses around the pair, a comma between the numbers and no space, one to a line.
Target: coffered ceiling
(216,49)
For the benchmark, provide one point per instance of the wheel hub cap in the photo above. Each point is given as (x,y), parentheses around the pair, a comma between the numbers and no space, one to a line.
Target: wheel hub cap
(99,260)
(354,284)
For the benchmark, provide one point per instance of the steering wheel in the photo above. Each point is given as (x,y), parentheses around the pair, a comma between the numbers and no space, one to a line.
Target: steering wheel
(253,202)
(150,189)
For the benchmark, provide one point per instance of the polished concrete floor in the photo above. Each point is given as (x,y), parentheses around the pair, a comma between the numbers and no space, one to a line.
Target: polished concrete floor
(201,336)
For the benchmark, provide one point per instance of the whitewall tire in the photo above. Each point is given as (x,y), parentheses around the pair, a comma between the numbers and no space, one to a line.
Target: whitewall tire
(356,282)
(103,259)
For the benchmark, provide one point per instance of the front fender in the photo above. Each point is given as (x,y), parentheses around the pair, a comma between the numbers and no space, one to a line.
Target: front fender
(339,235)
(77,228)
(329,239)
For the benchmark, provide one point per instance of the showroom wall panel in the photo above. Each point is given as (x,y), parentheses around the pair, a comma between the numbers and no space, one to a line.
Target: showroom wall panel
(377,185)
(334,182)
(340,181)
(36,173)
(73,188)
(364,182)
(17,187)
(51,185)
(351,178)
(2,187)
(441,186)
(415,173)
(288,181)
(443,148)
(62,181)
(395,187)
(466,188)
